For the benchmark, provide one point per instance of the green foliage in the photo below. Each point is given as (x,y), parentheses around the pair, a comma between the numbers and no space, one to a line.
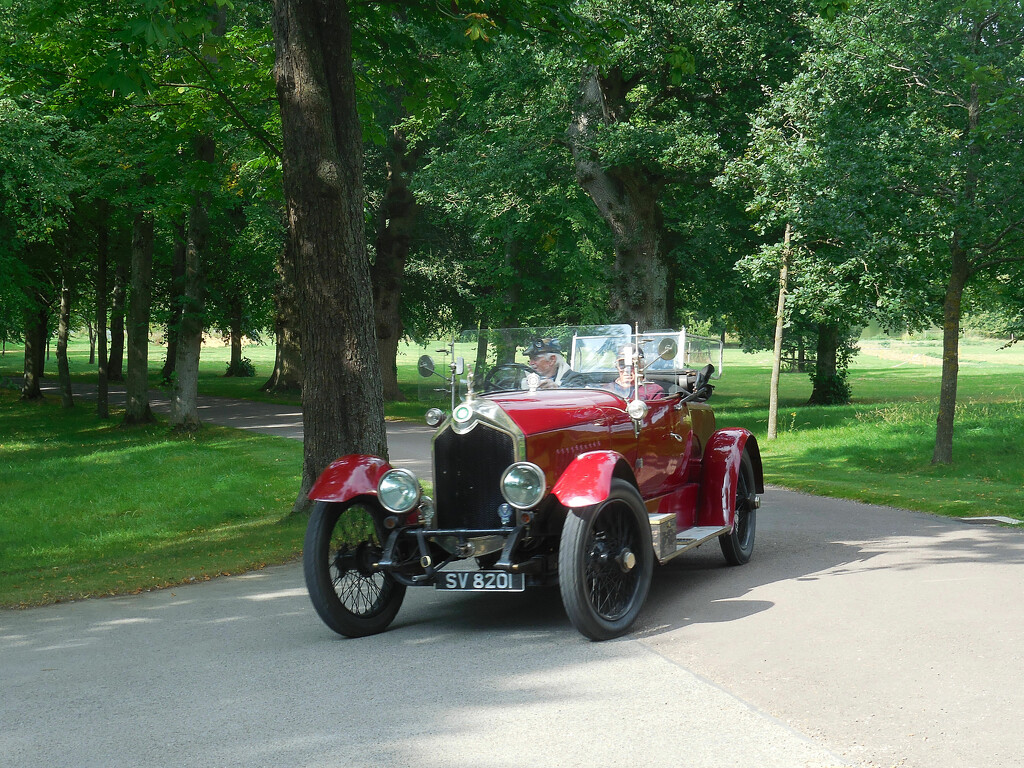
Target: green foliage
(37,181)
(521,229)
(244,368)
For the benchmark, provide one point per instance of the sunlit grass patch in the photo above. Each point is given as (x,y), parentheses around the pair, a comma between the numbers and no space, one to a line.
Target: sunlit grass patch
(90,508)
(881,453)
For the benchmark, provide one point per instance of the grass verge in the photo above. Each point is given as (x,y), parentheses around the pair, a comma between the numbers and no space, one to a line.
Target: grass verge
(91,508)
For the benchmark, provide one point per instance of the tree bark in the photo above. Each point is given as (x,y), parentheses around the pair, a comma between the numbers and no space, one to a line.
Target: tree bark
(137,410)
(115,363)
(396,220)
(35,346)
(91,330)
(951,311)
(826,365)
(185,395)
(627,199)
(780,323)
(343,407)
(63,329)
(177,298)
(287,374)
(102,252)
(235,339)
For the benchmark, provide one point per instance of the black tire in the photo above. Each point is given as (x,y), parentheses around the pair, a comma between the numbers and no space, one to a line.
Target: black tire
(738,545)
(603,588)
(506,376)
(342,541)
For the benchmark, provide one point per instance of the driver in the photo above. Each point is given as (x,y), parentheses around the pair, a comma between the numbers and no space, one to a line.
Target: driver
(623,384)
(546,359)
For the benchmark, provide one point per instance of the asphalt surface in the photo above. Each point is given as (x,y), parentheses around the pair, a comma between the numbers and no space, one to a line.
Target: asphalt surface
(857,635)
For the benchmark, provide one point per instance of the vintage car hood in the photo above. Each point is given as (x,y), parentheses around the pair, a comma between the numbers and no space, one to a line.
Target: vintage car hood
(549,410)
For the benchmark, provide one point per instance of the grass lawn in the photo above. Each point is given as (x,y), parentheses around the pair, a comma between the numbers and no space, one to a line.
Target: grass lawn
(90,508)
(878,449)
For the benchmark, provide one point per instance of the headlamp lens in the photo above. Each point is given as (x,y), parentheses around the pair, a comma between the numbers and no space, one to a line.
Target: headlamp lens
(398,490)
(523,485)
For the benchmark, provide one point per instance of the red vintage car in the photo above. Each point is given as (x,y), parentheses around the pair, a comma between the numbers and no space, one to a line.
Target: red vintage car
(572,456)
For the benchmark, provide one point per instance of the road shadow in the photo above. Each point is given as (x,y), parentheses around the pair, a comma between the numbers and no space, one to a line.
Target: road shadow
(807,538)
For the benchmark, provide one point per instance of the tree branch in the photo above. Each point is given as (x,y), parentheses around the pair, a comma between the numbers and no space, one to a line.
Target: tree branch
(258,133)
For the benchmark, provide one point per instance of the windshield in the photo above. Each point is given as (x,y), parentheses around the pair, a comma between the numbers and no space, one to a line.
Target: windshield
(574,357)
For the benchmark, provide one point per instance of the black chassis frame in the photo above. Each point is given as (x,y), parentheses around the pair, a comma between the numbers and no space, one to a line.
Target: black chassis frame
(540,569)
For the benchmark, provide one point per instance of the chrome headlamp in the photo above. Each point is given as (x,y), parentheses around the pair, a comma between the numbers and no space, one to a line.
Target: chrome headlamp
(637,410)
(398,491)
(523,485)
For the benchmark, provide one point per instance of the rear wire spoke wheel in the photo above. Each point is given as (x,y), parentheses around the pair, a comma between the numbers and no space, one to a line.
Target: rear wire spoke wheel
(343,541)
(738,545)
(605,562)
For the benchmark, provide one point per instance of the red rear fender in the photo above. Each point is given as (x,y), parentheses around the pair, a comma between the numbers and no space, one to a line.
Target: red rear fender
(720,469)
(349,476)
(588,479)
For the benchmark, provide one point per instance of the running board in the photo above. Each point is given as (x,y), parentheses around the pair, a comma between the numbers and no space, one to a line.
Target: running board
(668,543)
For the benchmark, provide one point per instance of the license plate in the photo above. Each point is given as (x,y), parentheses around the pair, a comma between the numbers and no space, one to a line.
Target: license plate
(480,581)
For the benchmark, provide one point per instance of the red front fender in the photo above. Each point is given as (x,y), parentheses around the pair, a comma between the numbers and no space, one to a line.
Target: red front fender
(588,479)
(347,477)
(720,469)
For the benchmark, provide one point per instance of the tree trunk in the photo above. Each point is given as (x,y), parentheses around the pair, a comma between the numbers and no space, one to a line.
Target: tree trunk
(235,363)
(959,274)
(951,310)
(343,407)
(287,374)
(91,330)
(35,345)
(115,364)
(826,368)
(177,298)
(185,395)
(102,251)
(780,323)
(480,365)
(396,220)
(137,409)
(63,329)
(627,198)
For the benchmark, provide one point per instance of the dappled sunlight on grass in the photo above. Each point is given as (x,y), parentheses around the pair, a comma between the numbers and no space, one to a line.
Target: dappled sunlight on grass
(883,455)
(93,509)
(878,448)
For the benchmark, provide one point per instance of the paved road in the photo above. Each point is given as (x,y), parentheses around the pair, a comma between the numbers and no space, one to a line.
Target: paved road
(858,635)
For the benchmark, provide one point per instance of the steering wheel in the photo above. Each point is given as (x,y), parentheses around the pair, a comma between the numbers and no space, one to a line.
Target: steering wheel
(506,376)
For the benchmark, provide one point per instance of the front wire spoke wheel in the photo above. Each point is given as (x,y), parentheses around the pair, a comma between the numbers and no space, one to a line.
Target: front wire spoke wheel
(605,563)
(342,546)
(611,583)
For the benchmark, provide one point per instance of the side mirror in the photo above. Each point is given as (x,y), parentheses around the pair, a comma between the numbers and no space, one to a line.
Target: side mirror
(425,365)
(460,366)
(668,349)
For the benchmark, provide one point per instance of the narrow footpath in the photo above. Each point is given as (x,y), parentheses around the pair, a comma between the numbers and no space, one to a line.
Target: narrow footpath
(408,442)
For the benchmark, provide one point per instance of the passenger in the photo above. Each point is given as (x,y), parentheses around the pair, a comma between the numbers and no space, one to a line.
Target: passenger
(546,359)
(623,384)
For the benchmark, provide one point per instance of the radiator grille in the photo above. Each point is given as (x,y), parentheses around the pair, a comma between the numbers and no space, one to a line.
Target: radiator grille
(467,474)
